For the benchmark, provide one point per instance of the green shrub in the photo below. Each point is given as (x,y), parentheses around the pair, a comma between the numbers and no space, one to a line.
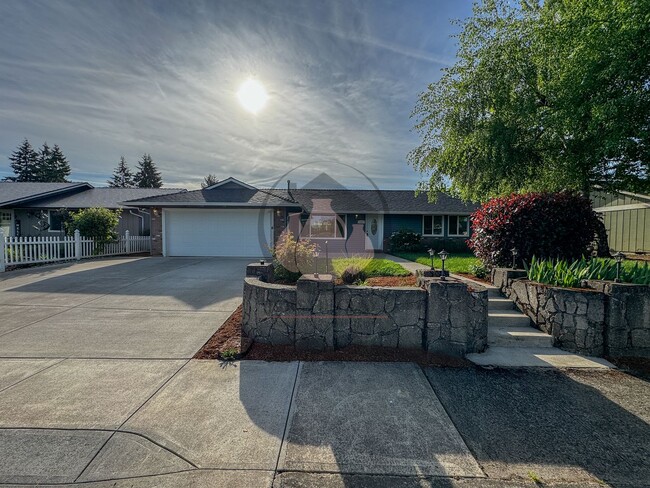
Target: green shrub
(566,274)
(370,266)
(479,270)
(353,274)
(406,241)
(96,223)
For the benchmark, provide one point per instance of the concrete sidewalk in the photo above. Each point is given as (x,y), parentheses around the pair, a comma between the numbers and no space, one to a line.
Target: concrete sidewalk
(253,424)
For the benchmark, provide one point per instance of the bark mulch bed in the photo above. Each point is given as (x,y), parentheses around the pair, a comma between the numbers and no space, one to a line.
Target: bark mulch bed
(392,281)
(474,278)
(228,339)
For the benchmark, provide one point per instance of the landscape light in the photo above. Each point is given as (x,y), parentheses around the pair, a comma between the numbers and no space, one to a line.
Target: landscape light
(432,253)
(443,256)
(514,257)
(619,256)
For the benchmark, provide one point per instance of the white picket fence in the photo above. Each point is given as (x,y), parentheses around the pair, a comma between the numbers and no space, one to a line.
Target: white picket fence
(31,250)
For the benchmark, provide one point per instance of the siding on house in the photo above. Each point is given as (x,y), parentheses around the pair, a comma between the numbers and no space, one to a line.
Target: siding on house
(29,224)
(627,219)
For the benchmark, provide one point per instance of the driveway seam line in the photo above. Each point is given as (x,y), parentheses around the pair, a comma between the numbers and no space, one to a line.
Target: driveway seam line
(460,434)
(290,411)
(60,360)
(128,418)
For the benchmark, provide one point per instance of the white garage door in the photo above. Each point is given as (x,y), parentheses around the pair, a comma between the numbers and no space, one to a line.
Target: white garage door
(217,232)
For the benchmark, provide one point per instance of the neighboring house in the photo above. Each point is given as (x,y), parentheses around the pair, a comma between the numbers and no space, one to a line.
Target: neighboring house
(232,218)
(35,209)
(627,220)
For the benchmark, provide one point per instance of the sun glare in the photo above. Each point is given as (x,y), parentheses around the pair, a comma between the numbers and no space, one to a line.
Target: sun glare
(252,95)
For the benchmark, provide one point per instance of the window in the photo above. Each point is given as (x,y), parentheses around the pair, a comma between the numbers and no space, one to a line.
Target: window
(5,223)
(55,221)
(432,225)
(458,225)
(326,226)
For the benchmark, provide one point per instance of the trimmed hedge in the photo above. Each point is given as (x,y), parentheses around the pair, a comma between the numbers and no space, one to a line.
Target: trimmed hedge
(546,225)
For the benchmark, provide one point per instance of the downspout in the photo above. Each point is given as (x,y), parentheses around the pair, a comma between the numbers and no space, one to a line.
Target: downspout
(141,220)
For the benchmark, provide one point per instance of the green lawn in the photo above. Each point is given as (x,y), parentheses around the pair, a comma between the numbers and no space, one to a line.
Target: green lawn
(372,267)
(455,263)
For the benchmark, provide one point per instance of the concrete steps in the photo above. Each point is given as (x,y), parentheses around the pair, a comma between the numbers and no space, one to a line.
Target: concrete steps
(531,357)
(514,343)
(518,337)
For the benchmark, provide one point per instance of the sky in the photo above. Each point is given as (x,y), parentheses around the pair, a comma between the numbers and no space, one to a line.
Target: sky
(105,79)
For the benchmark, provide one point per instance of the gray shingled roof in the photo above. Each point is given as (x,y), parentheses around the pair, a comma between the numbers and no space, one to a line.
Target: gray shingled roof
(15,193)
(100,197)
(383,201)
(350,201)
(217,196)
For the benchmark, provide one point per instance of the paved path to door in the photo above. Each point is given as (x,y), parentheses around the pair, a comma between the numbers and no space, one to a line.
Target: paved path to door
(98,390)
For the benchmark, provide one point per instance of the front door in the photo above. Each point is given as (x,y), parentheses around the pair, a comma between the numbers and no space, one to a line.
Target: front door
(375,231)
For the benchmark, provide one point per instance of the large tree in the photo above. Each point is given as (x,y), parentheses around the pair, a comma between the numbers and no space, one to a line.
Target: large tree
(53,165)
(25,163)
(545,96)
(147,175)
(122,176)
(209,180)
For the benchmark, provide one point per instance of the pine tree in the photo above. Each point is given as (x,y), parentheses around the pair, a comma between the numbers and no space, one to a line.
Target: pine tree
(24,162)
(209,180)
(58,168)
(122,176)
(147,175)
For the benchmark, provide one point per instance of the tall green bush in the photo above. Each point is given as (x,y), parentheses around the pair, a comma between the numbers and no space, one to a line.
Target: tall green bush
(96,223)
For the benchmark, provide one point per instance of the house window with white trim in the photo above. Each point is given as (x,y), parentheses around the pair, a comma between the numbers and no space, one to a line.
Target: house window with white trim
(5,222)
(432,225)
(458,225)
(55,221)
(330,226)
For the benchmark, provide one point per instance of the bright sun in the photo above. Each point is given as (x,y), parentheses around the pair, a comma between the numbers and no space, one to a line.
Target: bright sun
(252,95)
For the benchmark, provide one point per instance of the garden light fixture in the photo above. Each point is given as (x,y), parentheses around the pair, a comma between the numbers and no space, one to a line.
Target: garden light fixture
(619,256)
(515,253)
(432,253)
(262,262)
(443,256)
(327,259)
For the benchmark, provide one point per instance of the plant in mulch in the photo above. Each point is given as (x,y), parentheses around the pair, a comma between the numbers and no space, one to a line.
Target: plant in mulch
(353,274)
(292,257)
(229,354)
(479,270)
(548,225)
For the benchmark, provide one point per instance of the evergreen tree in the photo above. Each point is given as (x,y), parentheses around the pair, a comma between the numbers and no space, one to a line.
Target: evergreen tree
(122,176)
(147,175)
(57,169)
(209,180)
(24,162)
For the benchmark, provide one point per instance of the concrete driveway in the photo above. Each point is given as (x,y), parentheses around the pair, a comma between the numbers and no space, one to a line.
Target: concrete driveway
(117,308)
(97,388)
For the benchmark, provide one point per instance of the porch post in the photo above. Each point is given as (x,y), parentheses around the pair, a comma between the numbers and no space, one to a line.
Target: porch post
(2,250)
(77,244)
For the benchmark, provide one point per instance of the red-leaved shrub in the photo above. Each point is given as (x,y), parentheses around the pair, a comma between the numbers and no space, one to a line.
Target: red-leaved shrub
(546,225)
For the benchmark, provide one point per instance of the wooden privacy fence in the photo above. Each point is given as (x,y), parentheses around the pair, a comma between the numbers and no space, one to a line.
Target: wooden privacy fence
(15,251)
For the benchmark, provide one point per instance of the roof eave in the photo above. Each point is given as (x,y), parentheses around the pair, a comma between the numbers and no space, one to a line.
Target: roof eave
(44,195)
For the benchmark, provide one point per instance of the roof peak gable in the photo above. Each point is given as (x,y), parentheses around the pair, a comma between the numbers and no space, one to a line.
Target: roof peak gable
(230,182)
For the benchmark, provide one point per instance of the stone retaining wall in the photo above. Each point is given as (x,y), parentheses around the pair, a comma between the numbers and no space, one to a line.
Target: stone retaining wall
(627,318)
(269,312)
(448,317)
(457,317)
(603,319)
(574,318)
(374,316)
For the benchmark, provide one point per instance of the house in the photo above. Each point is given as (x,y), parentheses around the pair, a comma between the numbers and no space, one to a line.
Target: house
(233,218)
(36,209)
(627,220)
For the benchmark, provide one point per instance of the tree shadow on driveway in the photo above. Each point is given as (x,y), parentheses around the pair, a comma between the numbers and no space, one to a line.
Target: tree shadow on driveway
(560,425)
